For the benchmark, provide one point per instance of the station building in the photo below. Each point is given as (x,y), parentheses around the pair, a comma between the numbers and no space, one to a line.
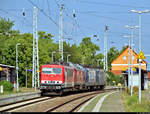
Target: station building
(119,66)
(7,72)
(121,62)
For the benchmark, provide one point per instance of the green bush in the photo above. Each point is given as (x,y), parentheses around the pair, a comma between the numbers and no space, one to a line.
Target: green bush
(132,104)
(117,78)
(132,100)
(7,86)
(110,77)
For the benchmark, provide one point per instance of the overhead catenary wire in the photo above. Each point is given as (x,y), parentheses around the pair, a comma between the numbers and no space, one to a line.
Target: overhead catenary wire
(18,17)
(48,8)
(71,17)
(75,21)
(68,38)
(111,4)
(22,19)
(44,13)
(95,13)
(41,10)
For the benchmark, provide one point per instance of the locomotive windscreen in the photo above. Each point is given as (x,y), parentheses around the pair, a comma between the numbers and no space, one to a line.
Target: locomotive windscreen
(52,70)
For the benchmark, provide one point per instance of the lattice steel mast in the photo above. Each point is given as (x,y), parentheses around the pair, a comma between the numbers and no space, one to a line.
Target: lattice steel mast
(61,33)
(35,62)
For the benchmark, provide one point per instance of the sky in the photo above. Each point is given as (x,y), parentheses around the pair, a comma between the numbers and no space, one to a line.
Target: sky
(91,18)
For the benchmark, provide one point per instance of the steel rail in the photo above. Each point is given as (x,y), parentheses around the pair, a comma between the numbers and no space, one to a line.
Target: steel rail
(77,106)
(80,97)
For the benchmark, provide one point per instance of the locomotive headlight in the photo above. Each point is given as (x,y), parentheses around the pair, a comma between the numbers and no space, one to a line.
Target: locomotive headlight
(60,82)
(44,81)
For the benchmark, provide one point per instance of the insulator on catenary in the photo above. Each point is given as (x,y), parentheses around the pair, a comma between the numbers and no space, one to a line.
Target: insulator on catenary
(74,15)
(23,12)
(95,35)
(106,28)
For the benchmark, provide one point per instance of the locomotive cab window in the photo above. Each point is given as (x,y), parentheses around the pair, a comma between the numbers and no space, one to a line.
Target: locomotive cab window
(51,70)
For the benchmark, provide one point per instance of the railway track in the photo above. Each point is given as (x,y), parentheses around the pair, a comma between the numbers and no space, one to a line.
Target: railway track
(73,104)
(67,103)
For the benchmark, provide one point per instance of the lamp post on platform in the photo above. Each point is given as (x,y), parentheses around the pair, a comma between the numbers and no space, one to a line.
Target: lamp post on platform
(68,57)
(129,55)
(105,49)
(17,68)
(140,40)
(52,55)
(132,28)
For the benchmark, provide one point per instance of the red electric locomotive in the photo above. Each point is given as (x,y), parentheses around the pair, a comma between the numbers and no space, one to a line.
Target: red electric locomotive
(57,78)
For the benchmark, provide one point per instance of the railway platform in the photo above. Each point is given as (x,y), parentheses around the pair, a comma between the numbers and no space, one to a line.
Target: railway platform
(107,102)
(11,98)
(113,103)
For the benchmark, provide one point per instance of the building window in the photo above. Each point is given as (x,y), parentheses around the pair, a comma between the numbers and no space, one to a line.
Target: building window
(124,57)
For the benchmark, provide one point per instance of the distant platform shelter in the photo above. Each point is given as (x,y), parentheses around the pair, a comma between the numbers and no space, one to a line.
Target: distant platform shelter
(135,81)
(7,72)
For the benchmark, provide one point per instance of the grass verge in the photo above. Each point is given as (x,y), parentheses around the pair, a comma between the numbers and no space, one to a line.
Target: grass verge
(132,104)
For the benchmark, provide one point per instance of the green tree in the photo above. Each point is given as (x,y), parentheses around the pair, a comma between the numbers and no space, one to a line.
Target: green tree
(123,48)
(10,38)
(88,50)
(110,78)
(76,56)
(100,57)
(5,25)
(46,46)
(112,54)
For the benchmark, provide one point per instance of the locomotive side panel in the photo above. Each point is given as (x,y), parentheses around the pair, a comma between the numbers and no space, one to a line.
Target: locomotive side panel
(86,75)
(79,77)
(91,75)
(82,77)
(97,77)
(94,77)
(102,77)
(68,77)
(74,77)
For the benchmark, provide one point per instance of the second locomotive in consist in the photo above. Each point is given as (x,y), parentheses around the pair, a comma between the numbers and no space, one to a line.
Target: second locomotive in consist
(59,78)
